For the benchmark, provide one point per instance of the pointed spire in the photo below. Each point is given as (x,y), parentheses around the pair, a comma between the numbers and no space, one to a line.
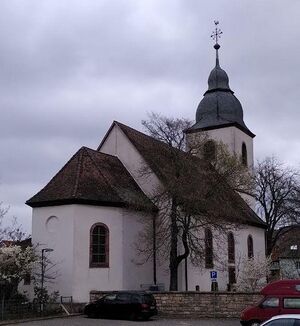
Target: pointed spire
(216,34)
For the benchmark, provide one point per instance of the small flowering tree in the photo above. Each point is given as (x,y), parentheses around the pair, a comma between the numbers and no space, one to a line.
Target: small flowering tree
(253,275)
(15,263)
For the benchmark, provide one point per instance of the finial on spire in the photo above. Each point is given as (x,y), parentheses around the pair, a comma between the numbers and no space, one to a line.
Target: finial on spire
(216,34)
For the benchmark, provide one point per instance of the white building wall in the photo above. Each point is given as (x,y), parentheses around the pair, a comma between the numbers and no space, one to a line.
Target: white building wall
(117,144)
(199,275)
(69,237)
(137,271)
(86,279)
(230,136)
(52,227)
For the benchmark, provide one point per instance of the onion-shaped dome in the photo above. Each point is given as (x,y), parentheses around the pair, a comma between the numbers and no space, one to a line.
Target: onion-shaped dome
(218,79)
(219,107)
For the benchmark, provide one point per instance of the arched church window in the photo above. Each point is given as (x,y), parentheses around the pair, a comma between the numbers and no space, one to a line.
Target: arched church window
(231,248)
(99,245)
(250,246)
(209,150)
(244,155)
(208,249)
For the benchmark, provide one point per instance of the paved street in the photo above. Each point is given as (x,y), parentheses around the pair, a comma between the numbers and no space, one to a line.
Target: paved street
(83,321)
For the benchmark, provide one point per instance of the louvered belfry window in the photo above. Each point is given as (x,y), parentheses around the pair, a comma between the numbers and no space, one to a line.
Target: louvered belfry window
(99,246)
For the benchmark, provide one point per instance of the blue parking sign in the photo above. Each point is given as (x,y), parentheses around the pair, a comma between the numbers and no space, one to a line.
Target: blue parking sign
(213,275)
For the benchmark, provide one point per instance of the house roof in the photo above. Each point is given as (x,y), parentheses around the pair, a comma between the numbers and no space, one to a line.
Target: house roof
(288,243)
(202,174)
(95,178)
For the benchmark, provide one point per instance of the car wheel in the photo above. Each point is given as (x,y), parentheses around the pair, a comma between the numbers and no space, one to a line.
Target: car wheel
(92,314)
(254,323)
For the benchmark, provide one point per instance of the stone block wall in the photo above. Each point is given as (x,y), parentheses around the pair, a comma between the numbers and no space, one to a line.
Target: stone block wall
(200,304)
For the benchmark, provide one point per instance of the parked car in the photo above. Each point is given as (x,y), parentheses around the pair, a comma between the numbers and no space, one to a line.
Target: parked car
(283,320)
(280,297)
(132,305)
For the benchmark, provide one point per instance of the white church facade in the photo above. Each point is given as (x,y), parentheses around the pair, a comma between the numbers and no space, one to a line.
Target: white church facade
(88,213)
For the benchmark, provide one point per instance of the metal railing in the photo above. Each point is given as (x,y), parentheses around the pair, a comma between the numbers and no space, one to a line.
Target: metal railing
(15,309)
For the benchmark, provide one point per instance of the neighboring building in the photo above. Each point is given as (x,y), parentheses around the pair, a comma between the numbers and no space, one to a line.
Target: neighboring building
(286,254)
(93,210)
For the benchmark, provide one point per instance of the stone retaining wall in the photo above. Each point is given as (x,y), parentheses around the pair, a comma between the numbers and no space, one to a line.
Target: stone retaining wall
(200,304)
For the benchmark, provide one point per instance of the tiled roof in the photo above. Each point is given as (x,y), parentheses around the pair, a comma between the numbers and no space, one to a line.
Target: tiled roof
(288,242)
(222,198)
(95,178)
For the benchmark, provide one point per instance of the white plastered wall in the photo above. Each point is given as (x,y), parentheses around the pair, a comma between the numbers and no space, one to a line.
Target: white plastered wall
(70,241)
(230,136)
(52,227)
(118,144)
(199,275)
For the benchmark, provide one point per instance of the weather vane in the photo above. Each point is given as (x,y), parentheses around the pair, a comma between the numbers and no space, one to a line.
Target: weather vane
(216,34)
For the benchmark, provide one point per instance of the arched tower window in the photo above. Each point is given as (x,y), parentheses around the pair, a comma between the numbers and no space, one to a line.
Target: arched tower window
(209,263)
(244,155)
(250,246)
(99,245)
(231,248)
(209,150)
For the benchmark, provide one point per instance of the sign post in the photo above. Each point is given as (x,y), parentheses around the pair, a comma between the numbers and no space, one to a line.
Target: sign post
(213,276)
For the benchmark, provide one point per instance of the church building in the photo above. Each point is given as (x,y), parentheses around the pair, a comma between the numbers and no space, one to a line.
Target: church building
(93,211)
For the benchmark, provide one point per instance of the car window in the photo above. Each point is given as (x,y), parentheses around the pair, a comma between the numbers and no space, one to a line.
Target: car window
(110,297)
(271,303)
(282,322)
(148,298)
(135,298)
(291,303)
(123,297)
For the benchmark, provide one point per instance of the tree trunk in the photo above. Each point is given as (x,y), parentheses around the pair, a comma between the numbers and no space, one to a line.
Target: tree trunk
(173,252)
(269,243)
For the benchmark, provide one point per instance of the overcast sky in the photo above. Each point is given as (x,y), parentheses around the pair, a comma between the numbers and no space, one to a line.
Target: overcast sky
(69,68)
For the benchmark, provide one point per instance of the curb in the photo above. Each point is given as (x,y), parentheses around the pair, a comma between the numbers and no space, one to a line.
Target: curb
(18,321)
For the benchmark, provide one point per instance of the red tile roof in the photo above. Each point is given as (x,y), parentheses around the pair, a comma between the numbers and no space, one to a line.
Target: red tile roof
(95,178)
(200,178)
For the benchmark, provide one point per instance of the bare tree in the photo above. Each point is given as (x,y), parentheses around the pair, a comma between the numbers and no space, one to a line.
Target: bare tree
(168,130)
(276,191)
(189,199)
(10,229)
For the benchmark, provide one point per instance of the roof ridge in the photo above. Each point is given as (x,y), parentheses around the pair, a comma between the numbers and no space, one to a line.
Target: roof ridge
(95,151)
(151,138)
(104,178)
(59,171)
(79,165)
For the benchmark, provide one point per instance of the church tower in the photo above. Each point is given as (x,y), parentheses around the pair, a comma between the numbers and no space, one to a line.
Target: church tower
(220,114)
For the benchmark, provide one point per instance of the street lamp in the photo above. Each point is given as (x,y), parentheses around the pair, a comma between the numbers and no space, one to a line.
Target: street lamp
(42,276)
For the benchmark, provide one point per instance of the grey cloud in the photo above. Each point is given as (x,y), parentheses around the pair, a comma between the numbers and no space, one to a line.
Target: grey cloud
(67,71)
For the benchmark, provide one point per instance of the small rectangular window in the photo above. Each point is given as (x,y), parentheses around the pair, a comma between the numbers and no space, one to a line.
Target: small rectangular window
(297,264)
(291,303)
(123,297)
(271,303)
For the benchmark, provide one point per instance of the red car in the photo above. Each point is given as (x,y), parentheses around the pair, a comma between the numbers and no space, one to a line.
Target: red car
(280,297)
